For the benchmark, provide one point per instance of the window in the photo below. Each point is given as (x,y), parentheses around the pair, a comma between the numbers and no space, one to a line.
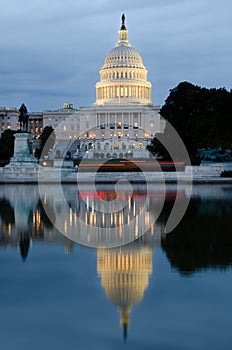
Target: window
(135,125)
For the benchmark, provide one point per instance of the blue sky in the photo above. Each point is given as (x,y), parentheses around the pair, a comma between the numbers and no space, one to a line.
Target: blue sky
(51,51)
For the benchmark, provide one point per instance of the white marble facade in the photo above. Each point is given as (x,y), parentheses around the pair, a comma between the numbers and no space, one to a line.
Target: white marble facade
(123,120)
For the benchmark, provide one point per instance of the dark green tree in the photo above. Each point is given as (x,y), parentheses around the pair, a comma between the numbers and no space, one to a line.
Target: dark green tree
(7,146)
(202,117)
(47,139)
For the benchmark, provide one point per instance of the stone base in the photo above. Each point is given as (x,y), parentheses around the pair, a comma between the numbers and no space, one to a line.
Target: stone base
(29,162)
(23,157)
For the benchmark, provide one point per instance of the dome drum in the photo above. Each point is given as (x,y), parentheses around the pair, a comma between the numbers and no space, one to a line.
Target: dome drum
(124,93)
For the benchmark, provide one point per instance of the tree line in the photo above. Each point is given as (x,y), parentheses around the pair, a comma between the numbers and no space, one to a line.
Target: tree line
(203,119)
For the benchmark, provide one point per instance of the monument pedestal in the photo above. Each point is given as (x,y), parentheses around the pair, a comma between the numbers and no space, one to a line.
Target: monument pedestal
(23,157)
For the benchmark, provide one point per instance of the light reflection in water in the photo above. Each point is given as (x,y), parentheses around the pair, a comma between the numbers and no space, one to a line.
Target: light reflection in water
(124,274)
(124,271)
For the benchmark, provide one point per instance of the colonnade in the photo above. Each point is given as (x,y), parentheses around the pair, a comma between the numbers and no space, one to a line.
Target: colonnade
(122,91)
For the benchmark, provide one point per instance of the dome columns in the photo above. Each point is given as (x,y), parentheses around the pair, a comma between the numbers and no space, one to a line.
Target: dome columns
(124,93)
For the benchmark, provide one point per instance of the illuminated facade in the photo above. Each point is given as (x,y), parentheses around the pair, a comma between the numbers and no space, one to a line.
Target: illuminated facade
(9,118)
(123,119)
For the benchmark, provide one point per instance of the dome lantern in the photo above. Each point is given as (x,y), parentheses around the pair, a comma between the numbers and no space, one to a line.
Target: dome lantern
(123,33)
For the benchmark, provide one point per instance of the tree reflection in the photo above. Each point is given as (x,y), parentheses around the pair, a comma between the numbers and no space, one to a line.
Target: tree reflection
(202,239)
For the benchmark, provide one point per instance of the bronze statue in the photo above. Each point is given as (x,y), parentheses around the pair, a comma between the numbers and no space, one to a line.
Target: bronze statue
(23,118)
(123,27)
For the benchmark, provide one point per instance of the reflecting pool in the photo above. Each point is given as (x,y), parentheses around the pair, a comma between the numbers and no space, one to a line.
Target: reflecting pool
(163,291)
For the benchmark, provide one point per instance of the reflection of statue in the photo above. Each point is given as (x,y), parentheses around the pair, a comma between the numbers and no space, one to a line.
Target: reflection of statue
(23,117)
(24,245)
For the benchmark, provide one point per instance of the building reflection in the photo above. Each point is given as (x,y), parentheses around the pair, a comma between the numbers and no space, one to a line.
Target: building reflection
(23,220)
(86,217)
(124,271)
(124,274)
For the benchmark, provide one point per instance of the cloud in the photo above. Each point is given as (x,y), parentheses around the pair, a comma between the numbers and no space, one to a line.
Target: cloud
(51,51)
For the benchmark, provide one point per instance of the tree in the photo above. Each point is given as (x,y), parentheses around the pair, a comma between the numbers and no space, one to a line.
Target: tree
(157,148)
(202,117)
(7,146)
(47,139)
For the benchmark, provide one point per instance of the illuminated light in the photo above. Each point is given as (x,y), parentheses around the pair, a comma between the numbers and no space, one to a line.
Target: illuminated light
(65,227)
(33,219)
(120,231)
(115,218)
(120,220)
(123,262)
(147,218)
(103,219)
(136,226)
(119,262)
(152,229)
(9,228)
(70,217)
(134,211)
(129,203)
(131,261)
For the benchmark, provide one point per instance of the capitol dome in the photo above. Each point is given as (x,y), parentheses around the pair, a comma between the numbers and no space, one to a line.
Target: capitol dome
(123,56)
(123,77)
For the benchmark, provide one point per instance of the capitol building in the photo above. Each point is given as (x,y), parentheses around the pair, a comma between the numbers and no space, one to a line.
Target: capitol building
(120,123)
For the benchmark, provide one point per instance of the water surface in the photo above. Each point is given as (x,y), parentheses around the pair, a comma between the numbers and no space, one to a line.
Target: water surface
(161,291)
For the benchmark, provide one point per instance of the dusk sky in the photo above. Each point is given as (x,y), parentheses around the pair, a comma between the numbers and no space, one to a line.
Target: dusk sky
(52,50)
